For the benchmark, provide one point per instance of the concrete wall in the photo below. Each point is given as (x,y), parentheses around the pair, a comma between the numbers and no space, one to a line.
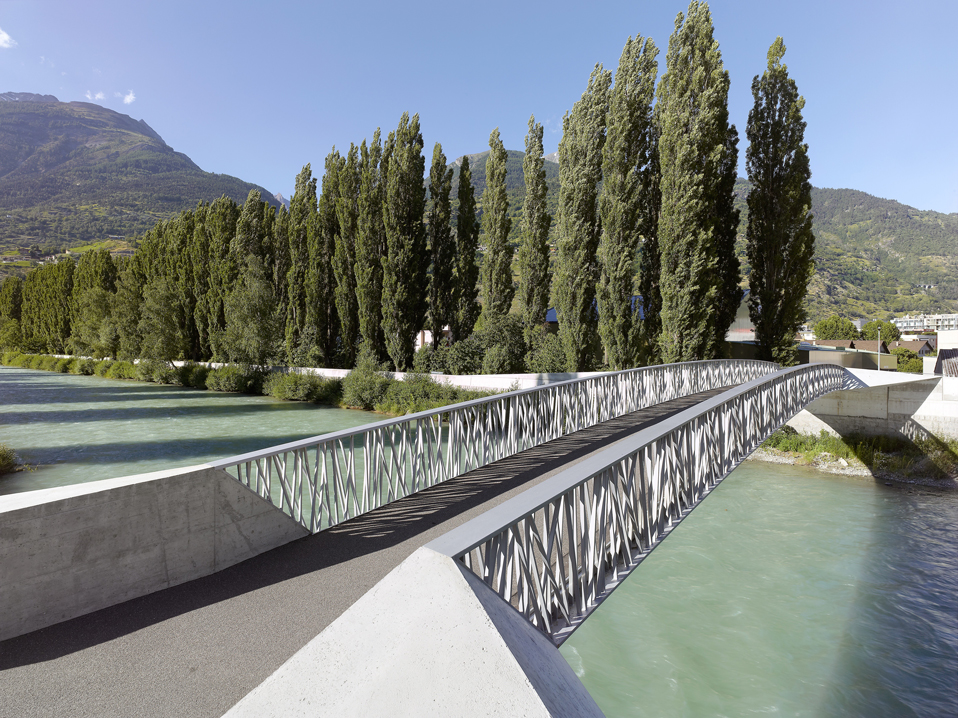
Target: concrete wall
(923,408)
(430,639)
(72,550)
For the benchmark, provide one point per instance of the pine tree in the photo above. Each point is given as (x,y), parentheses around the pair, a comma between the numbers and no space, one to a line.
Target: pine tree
(627,171)
(497,287)
(344,259)
(534,275)
(302,211)
(579,225)
(467,248)
(442,248)
(370,248)
(779,240)
(697,221)
(406,262)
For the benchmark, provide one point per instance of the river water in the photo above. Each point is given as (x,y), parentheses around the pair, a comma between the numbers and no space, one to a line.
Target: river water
(787,592)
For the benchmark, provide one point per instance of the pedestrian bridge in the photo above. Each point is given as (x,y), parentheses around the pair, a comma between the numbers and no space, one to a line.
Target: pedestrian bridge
(548,497)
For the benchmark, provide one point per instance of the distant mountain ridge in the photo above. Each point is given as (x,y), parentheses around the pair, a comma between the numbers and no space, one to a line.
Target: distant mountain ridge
(72,172)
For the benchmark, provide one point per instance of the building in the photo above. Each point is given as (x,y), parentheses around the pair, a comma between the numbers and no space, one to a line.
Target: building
(926,323)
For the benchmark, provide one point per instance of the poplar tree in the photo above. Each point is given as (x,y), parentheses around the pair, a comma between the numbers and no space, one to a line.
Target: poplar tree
(406,262)
(628,179)
(370,248)
(697,223)
(579,225)
(497,288)
(11,298)
(467,246)
(779,241)
(344,259)
(302,211)
(442,248)
(321,321)
(534,275)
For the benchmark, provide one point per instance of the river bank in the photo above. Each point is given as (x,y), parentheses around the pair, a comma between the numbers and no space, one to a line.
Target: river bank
(882,459)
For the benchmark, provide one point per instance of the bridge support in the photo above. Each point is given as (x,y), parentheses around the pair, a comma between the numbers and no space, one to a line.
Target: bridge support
(429,639)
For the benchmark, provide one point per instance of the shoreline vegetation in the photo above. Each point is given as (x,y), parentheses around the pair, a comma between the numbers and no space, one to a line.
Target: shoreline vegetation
(932,462)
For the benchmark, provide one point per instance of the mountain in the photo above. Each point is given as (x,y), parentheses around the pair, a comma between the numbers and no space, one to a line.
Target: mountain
(875,257)
(75,172)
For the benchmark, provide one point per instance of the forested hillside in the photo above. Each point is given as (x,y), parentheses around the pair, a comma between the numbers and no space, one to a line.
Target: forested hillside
(75,172)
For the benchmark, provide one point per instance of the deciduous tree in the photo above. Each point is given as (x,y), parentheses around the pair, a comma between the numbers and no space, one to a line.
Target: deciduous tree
(779,241)
(534,275)
(497,287)
(442,248)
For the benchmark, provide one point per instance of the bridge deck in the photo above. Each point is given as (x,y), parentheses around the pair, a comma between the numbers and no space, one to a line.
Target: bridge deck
(197,648)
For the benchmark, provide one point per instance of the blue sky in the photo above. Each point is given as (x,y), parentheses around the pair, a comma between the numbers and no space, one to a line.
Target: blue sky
(257,90)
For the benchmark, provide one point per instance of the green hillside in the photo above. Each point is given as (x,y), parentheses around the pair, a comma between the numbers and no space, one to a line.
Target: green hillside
(72,173)
(876,257)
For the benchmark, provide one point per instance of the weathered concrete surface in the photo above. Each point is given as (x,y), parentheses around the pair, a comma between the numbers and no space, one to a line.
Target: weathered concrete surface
(914,406)
(429,639)
(68,551)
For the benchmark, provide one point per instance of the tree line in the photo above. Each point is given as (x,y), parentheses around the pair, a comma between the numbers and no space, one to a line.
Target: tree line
(372,253)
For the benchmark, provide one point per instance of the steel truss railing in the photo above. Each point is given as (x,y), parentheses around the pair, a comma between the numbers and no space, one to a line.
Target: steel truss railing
(325,480)
(558,550)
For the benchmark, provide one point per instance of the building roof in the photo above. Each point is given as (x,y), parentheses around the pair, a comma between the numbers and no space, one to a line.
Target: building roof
(917,346)
(837,343)
(872,346)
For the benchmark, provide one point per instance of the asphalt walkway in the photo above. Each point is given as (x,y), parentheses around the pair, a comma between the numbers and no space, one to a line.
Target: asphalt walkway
(198,648)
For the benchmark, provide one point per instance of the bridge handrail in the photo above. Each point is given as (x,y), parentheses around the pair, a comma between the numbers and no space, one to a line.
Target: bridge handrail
(324,480)
(556,551)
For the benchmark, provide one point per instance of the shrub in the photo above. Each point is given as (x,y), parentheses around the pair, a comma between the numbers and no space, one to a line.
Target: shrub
(82,366)
(365,386)
(163,373)
(302,387)
(422,361)
(418,392)
(502,340)
(48,363)
(145,369)
(465,357)
(121,370)
(236,378)
(9,461)
(63,365)
(496,360)
(102,367)
(9,357)
(546,355)
(33,361)
(193,375)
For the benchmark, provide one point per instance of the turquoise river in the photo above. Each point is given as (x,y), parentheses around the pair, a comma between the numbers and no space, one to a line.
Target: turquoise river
(787,592)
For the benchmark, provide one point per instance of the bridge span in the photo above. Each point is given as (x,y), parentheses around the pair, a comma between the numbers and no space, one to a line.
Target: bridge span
(550,497)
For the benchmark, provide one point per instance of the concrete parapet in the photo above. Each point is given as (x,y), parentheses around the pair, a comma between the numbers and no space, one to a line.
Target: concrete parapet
(429,639)
(72,550)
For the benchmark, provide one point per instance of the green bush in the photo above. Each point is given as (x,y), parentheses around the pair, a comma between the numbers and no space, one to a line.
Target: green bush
(63,365)
(365,386)
(121,370)
(236,378)
(9,461)
(465,357)
(145,369)
(420,392)
(503,344)
(163,373)
(34,361)
(496,360)
(546,355)
(422,361)
(82,366)
(102,367)
(193,375)
(302,387)
(48,363)
(9,357)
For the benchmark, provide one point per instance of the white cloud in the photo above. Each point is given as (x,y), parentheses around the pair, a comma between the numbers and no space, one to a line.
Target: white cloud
(98,96)
(129,98)
(6,41)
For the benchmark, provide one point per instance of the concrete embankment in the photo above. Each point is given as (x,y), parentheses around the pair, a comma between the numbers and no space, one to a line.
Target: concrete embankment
(72,550)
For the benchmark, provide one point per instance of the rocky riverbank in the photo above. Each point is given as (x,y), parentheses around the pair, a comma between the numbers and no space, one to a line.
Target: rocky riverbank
(893,468)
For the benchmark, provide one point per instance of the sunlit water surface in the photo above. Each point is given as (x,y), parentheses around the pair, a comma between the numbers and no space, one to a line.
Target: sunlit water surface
(787,592)
(791,593)
(72,429)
